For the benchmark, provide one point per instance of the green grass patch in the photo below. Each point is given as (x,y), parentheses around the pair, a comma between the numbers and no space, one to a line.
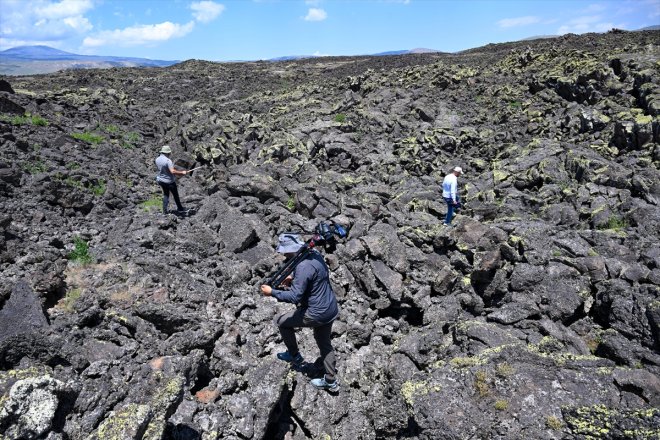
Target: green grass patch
(130,140)
(291,203)
(111,129)
(99,188)
(340,117)
(35,167)
(515,105)
(73,166)
(39,121)
(154,202)
(74,183)
(26,119)
(80,253)
(501,405)
(615,223)
(90,138)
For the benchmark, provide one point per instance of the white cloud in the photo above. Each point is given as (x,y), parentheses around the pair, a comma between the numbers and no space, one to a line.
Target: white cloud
(63,9)
(518,21)
(319,54)
(593,8)
(79,23)
(588,23)
(43,21)
(145,34)
(206,11)
(315,14)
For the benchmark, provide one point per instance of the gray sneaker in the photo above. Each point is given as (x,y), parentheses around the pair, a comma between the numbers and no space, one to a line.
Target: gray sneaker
(322,384)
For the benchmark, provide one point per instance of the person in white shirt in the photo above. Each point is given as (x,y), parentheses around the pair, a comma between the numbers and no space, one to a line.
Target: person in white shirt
(450,193)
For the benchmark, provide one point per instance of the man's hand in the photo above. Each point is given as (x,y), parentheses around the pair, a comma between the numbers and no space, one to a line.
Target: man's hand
(266,290)
(287,281)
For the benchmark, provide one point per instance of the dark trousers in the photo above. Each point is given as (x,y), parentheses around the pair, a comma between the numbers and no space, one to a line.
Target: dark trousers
(167,189)
(287,324)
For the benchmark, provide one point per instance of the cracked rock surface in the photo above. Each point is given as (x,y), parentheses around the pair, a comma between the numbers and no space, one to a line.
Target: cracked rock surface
(536,316)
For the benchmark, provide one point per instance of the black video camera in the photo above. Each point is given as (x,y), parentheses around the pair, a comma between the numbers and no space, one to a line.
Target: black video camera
(324,235)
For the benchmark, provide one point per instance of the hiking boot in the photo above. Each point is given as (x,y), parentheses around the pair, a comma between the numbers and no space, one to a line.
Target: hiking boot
(296,360)
(323,384)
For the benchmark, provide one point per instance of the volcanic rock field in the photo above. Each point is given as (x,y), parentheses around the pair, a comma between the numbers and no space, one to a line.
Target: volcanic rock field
(537,316)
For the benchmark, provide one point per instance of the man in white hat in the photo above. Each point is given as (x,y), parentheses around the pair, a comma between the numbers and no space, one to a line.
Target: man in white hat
(450,193)
(165,178)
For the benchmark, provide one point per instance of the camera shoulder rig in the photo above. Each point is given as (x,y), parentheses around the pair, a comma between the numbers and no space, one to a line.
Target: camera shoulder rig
(324,235)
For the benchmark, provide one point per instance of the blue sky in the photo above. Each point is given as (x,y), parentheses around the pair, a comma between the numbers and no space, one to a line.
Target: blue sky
(262,29)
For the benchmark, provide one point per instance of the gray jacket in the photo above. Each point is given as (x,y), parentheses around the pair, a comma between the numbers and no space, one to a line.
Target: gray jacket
(311,290)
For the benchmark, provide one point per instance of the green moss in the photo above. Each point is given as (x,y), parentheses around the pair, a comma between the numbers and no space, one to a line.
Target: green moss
(340,117)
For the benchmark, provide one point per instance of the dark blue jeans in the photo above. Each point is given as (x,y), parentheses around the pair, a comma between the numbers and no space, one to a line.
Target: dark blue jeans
(450,209)
(167,189)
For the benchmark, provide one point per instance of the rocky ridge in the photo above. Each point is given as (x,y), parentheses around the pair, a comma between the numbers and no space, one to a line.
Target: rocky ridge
(537,316)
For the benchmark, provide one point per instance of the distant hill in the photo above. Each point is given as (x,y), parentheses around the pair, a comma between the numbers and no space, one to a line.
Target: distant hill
(391,52)
(30,60)
(651,28)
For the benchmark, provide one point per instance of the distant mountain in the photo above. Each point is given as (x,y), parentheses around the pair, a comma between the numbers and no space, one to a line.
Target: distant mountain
(651,28)
(405,52)
(30,60)
(539,37)
(391,52)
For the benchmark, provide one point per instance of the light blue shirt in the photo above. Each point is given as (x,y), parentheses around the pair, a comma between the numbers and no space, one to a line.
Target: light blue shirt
(164,164)
(450,187)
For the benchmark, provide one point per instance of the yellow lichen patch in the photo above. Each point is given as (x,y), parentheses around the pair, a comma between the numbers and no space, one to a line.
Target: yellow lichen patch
(124,423)
(481,383)
(410,389)
(553,423)
(501,405)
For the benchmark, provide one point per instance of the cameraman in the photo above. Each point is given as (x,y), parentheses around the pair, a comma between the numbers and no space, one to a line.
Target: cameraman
(316,308)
